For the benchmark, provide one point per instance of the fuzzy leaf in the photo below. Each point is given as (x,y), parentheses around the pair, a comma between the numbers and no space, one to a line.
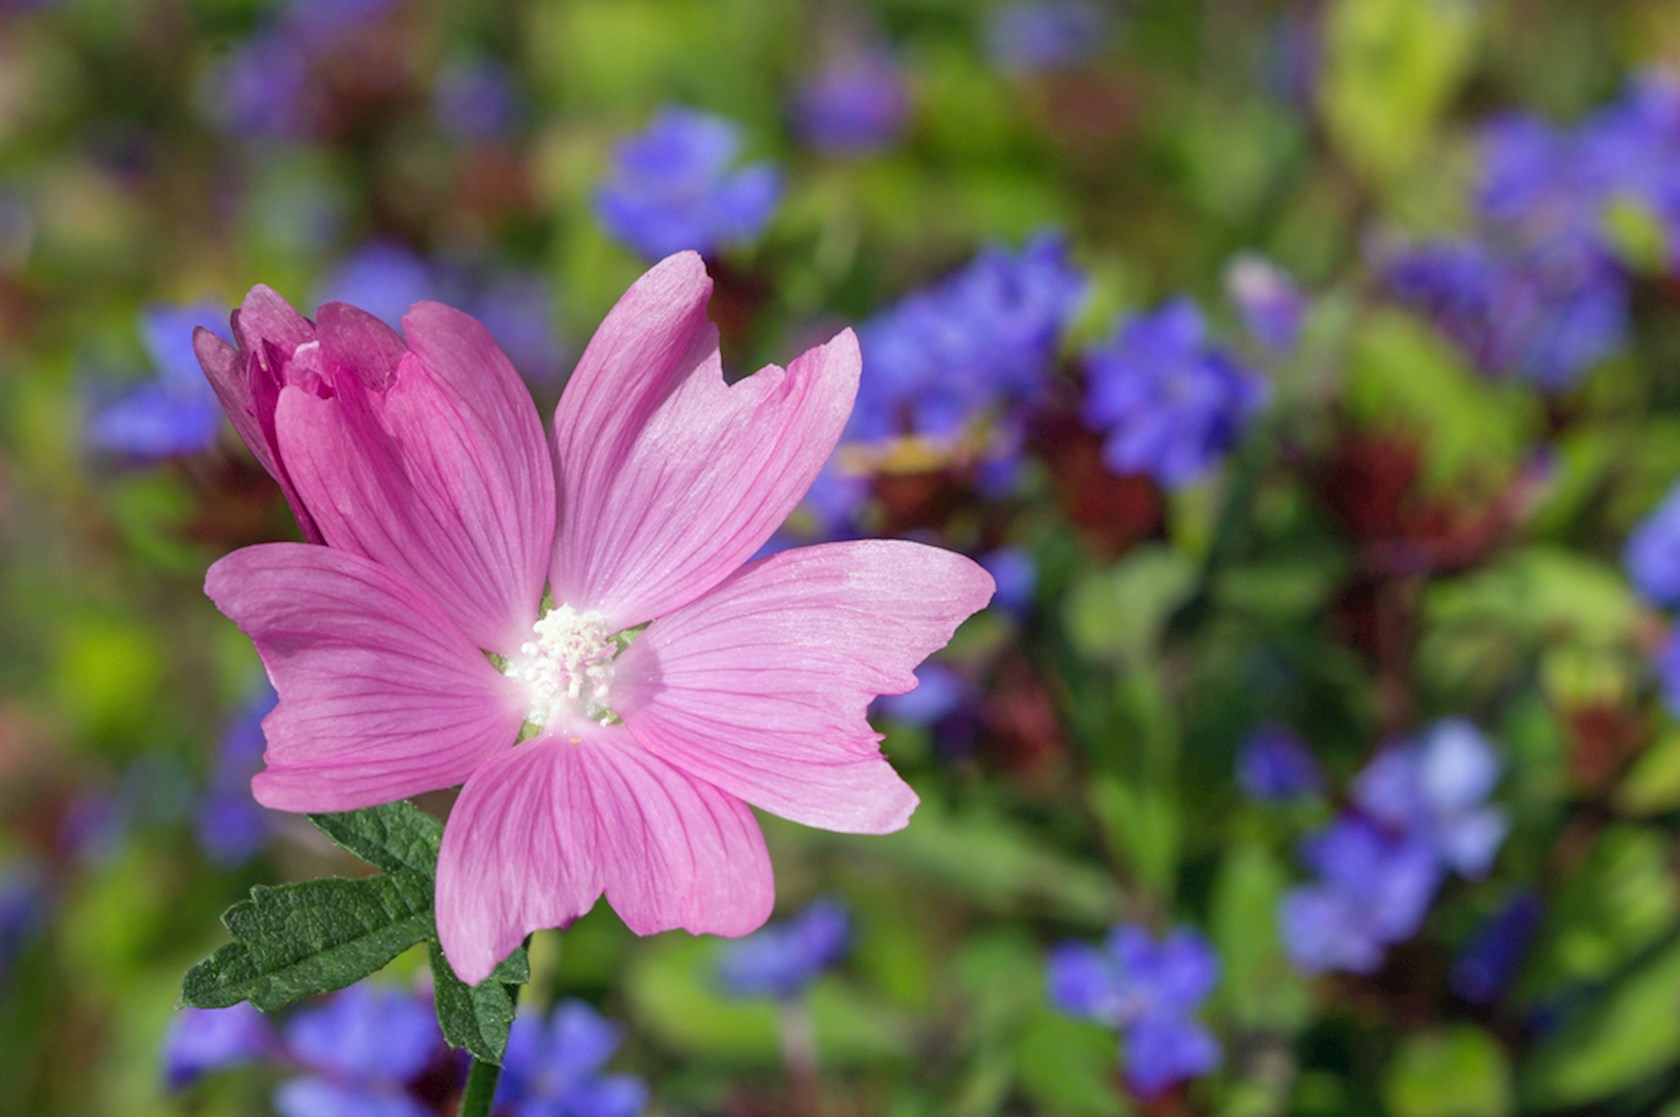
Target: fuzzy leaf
(394,838)
(298,940)
(477,1017)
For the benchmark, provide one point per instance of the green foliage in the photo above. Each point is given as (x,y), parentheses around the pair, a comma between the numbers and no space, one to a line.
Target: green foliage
(300,940)
(1460,1071)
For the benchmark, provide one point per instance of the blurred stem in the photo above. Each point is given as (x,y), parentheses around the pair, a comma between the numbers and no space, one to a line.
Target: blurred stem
(480,1093)
(799,1058)
(481,1089)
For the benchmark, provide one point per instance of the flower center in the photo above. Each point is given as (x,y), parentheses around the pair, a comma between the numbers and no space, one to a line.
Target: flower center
(567,668)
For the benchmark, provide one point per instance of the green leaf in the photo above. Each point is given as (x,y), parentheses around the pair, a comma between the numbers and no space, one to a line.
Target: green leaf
(298,940)
(477,1017)
(1623,1039)
(397,837)
(1068,1066)
(1118,613)
(1455,1072)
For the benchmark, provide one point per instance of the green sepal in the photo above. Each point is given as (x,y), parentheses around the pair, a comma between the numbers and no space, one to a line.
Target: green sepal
(299,940)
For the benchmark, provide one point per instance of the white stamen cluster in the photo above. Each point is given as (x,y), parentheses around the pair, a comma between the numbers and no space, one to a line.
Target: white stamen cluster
(568,667)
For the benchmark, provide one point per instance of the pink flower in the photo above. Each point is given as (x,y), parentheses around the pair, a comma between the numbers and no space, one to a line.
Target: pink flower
(420,461)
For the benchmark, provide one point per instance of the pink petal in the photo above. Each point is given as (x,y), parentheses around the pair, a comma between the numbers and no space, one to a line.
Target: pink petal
(359,343)
(381,696)
(670,478)
(762,686)
(265,316)
(444,477)
(544,829)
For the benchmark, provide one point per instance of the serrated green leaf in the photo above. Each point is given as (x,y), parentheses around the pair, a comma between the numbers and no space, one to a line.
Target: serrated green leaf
(477,1017)
(298,940)
(394,838)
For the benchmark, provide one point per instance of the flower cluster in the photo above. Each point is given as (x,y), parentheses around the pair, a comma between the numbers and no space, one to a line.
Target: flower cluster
(675,186)
(1419,811)
(361,1051)
(1168,402)
(1150,992)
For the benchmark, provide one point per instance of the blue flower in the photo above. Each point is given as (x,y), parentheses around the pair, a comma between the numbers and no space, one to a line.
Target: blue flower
(1490,961)
(1545,314)
(1039,36)
(1169,403)
(174,413)
(201,1041)
(363,1045)
(784,958)
(24,906)
(1667,666)
(232,826)
(553,1068)
(1275,764)
(1016,576)
(967,348)
(1270,304)
(384,278)
(518,308)
(854,104)
(1435,790)
(475,98)
(1652,555)
(1374,890)
(1150,992)
(675,186)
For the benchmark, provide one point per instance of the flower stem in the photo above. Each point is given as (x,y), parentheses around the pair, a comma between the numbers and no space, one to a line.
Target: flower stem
(481,1089)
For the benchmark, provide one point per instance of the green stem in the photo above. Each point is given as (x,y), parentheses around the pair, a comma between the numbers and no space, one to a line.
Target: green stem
(481,1089)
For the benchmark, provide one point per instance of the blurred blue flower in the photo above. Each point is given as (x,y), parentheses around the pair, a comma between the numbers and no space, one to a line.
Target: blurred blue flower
(553,1068)
(518,308)
(940,691)
(675,186)
(784,958)
(855,103)
(475,98)
(1435,790)
(1275,764)
(201,1041)
(1545,314)
(1666,663)
(1169,403)
(174,413)
(1270,304)
(1016,576)
(970,346)
(1150,992)
(1652,555)
(384,278)
(1038,36)
(24,903)
(363,1046)
(232,826)
(1490,961)
(1374,889)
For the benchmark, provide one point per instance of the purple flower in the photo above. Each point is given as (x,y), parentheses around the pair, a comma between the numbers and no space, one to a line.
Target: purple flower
(553,1068)
(364,1046)
(172,414)
(1435,791)
(1546,314)
(201,1041)
(979,341)
(784,958)
(1039,36)
(1652,555)
(1275,764)
(1490,961)
(384,278)
(854,104)
(1667,666)
(475,98)
(1150,992)
(1374,890)
(1270,304)
(675,186)
(1016,575)
(1169,402)
(232,827)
